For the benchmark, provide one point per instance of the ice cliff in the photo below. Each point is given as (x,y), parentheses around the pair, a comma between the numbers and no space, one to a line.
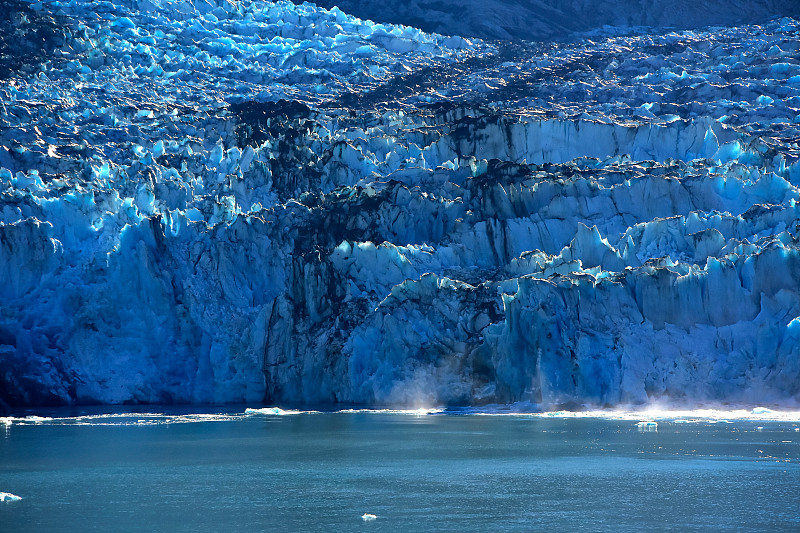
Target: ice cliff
(216,201)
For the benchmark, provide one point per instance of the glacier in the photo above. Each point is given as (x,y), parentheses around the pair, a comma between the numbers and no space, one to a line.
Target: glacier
(208,201)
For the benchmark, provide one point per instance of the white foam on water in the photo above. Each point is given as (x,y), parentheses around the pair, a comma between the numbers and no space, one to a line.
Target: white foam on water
(121,419)
(650,414)
(275,411)
(722,416)
(673,413)
(423,411)
(38,419)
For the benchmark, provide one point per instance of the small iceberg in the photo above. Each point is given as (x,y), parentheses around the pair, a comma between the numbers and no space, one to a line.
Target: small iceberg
(368,517)
(8,497)
(265,411)
(647,425)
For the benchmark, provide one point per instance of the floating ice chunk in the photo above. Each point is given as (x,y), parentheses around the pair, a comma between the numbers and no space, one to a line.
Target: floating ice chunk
(647,425)
(276,411)
(8,497)
(368,517)
(762,411)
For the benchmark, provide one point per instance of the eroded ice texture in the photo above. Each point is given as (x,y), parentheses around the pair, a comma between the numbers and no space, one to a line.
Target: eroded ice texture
(552,20)
(206,201)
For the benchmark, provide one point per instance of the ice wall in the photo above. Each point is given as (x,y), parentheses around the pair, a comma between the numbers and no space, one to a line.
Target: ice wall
(213,201)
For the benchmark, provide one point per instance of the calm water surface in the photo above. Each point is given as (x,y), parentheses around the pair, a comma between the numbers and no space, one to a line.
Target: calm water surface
(232,472)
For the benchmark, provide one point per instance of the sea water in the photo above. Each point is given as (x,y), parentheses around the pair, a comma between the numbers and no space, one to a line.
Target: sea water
(428,470)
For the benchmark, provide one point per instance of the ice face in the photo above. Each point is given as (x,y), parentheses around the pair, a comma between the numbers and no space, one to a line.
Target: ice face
(209,201)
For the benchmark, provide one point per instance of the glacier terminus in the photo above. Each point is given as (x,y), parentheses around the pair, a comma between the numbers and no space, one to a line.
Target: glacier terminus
(211,201)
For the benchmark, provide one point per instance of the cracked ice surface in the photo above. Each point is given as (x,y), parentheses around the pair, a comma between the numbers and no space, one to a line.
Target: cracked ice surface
(208,201)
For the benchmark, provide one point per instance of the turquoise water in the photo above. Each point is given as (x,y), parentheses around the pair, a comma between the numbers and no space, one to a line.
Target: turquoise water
(229,471)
